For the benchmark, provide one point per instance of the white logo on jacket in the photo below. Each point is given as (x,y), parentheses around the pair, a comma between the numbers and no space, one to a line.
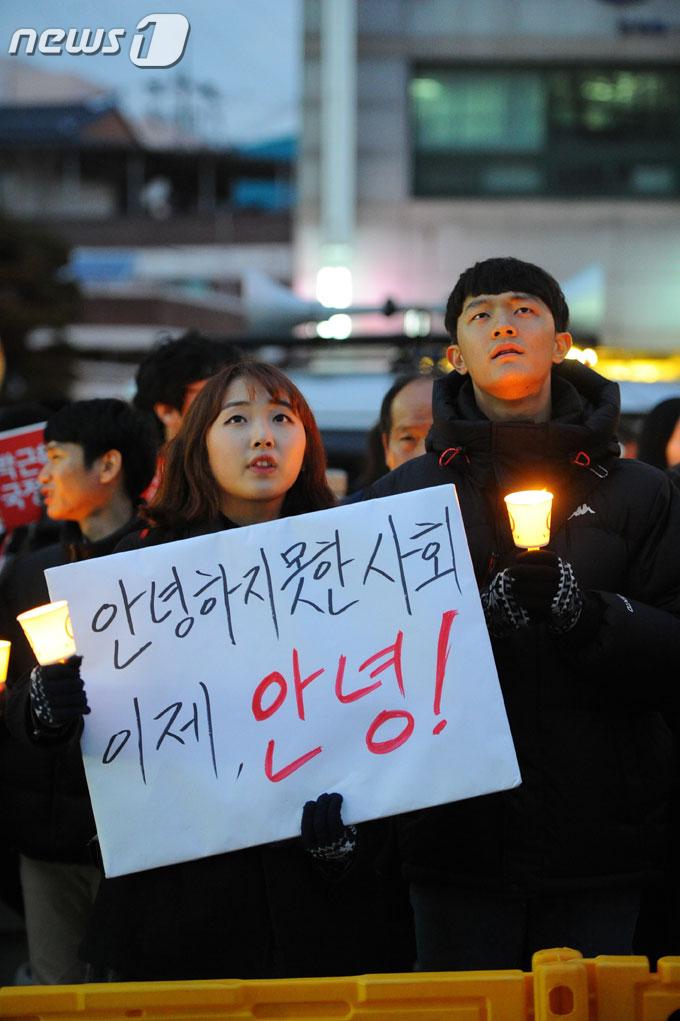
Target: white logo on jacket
(583,509)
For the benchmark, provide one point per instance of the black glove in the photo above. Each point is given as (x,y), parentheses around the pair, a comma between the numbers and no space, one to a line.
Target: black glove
(502,611)
(57,693)
(540,586)
(535,579)
(324,835)
(545,586)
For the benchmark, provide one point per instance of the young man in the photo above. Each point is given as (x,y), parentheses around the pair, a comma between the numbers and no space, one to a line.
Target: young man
(586,637)
(100,457)
(173,372)
(169,378)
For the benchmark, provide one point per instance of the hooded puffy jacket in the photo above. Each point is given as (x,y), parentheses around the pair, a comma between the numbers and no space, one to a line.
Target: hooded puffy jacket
(589,716)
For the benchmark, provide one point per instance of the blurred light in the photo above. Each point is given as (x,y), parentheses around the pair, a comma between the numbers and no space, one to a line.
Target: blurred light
(637,370)
(586,356)
(426,88)
(639,367)
(334,286)
(598,91)
(323,329)
(338,327)
(417,322)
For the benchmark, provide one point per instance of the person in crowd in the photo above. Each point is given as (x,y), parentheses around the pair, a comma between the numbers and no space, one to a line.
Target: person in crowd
(399,434)
(660,436)
(174,372)
(585,635)
(263,911)
(170,377)
(14,543)
(405,419)
(100,456)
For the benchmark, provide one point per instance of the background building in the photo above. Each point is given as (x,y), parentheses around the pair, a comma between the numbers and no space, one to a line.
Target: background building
(434,133)
(547,129)
(162,224)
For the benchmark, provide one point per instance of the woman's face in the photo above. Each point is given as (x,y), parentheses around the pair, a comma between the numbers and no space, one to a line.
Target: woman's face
(673,447)
(255,450)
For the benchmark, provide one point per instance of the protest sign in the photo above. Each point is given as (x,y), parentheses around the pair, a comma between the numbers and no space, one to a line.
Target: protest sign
(236,675)
(22,456)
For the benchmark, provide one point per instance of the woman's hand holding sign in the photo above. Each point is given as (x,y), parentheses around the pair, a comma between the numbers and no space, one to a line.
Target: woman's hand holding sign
(57,694)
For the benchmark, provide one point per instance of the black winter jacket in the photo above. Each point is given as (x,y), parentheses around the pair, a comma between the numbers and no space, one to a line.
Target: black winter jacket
(594,749)
(44,799)
(260,912)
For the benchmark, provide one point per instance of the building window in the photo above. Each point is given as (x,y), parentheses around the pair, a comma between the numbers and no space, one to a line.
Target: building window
(558,131)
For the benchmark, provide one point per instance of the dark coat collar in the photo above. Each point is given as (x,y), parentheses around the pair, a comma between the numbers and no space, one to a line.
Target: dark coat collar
(79,547)
(581,432)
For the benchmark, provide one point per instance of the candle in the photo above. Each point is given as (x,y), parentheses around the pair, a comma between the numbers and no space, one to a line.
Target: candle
(48,629)
(4,660)
(529,513)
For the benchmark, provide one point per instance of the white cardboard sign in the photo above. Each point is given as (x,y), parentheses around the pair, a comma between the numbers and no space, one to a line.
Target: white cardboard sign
(234,676)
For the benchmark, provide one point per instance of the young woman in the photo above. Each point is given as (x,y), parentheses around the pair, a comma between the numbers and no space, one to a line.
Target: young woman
(248,451)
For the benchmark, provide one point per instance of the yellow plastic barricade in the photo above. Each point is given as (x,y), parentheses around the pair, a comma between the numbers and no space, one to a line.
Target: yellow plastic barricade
(561,985)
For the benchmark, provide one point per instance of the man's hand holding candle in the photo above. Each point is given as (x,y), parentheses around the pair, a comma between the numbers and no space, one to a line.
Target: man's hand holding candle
(539,587)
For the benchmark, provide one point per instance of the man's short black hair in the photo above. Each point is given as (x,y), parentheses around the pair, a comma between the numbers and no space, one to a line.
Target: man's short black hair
(109,424)
(496,276)
(172,364)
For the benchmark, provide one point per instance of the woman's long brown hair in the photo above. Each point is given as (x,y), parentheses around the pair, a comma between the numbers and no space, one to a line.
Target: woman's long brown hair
(189,495)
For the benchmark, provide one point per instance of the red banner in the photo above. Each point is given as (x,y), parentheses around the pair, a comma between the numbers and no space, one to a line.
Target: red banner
(22,455)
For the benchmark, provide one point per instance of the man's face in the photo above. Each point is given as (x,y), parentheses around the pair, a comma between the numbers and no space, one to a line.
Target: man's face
(508,344)
(411,417)
(71,491)
(191,392)
(172,417)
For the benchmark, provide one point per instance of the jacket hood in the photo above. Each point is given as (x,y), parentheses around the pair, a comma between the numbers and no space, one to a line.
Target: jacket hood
(581,431)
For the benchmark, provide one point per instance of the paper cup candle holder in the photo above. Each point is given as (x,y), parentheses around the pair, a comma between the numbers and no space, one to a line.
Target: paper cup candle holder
(529,512)
(49,632)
